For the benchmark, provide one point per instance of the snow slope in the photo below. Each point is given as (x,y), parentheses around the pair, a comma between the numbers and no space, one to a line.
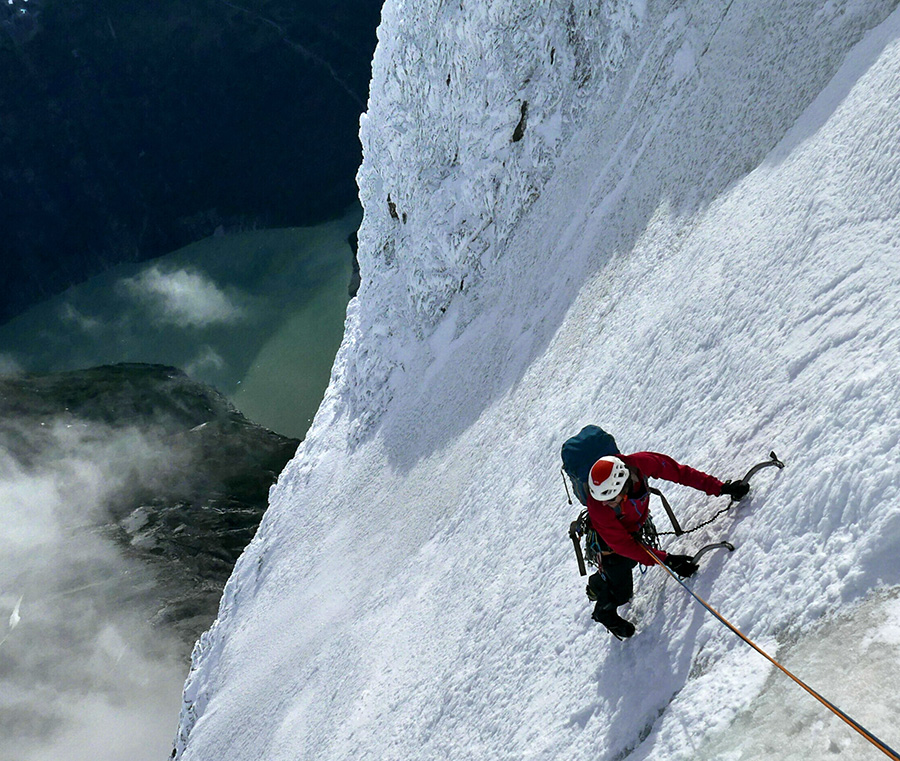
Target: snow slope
(696,246)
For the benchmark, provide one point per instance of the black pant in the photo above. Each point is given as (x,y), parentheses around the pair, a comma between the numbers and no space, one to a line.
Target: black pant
(613,583)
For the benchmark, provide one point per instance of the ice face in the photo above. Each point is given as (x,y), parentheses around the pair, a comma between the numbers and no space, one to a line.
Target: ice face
(707,267)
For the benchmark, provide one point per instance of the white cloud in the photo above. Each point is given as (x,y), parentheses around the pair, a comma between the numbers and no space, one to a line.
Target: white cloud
(207,360)
(68,313)
(181,297)
(9,365)
(85,675)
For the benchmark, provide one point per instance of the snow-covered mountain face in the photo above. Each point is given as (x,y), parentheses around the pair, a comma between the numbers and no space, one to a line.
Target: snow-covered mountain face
(473,104)
(689,236)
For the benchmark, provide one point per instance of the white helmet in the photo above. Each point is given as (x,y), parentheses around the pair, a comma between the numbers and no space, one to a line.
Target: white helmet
(608,476)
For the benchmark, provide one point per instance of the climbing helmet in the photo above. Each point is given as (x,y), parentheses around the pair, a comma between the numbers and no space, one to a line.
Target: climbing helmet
(608,476)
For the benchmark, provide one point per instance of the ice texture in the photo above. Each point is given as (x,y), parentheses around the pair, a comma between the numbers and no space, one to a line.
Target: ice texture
(689,237)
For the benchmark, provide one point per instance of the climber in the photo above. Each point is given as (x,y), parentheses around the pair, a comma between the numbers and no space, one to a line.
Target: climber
(618,505)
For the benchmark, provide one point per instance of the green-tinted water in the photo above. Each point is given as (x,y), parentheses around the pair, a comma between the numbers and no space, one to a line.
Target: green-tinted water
(259,315)
(284,384)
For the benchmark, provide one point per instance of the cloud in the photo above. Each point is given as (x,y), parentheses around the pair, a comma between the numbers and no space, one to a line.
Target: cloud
(182,297)
(84,675)
(69,314)
(9,365)
(208,359)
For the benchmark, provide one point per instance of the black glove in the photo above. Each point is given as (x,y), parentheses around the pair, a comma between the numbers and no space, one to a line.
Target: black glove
(737,490)
(683,565)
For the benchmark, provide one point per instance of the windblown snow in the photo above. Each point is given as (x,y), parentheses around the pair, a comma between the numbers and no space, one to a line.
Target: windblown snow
(680,221)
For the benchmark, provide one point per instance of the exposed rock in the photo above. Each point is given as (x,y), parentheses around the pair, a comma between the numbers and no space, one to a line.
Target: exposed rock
(190,502)
(355,277)
(519,131)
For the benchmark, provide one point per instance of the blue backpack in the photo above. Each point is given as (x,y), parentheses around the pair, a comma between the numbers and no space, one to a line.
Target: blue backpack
(579,454)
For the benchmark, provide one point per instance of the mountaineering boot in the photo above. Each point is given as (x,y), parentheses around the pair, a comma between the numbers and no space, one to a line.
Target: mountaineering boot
(617,625)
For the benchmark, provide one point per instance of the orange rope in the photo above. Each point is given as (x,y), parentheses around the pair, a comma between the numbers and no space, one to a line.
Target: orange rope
(883,747)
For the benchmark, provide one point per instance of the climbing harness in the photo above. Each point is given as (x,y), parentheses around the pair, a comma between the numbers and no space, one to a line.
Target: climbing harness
(882,746)
(647,535)
(594,547)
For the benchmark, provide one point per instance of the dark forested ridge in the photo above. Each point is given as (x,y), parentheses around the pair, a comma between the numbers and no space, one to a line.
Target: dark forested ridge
(129,128)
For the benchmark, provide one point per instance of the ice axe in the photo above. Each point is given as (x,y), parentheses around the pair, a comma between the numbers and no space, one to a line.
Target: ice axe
(715,546)
(773,461)
(575,536)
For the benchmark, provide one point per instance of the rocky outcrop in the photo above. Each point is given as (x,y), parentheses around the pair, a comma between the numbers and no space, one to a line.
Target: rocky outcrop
(190,488)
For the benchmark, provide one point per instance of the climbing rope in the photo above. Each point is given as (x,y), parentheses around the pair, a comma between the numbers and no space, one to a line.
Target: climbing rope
(883,747)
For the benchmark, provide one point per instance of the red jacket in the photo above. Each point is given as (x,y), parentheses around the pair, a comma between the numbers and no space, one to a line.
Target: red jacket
(617,523)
